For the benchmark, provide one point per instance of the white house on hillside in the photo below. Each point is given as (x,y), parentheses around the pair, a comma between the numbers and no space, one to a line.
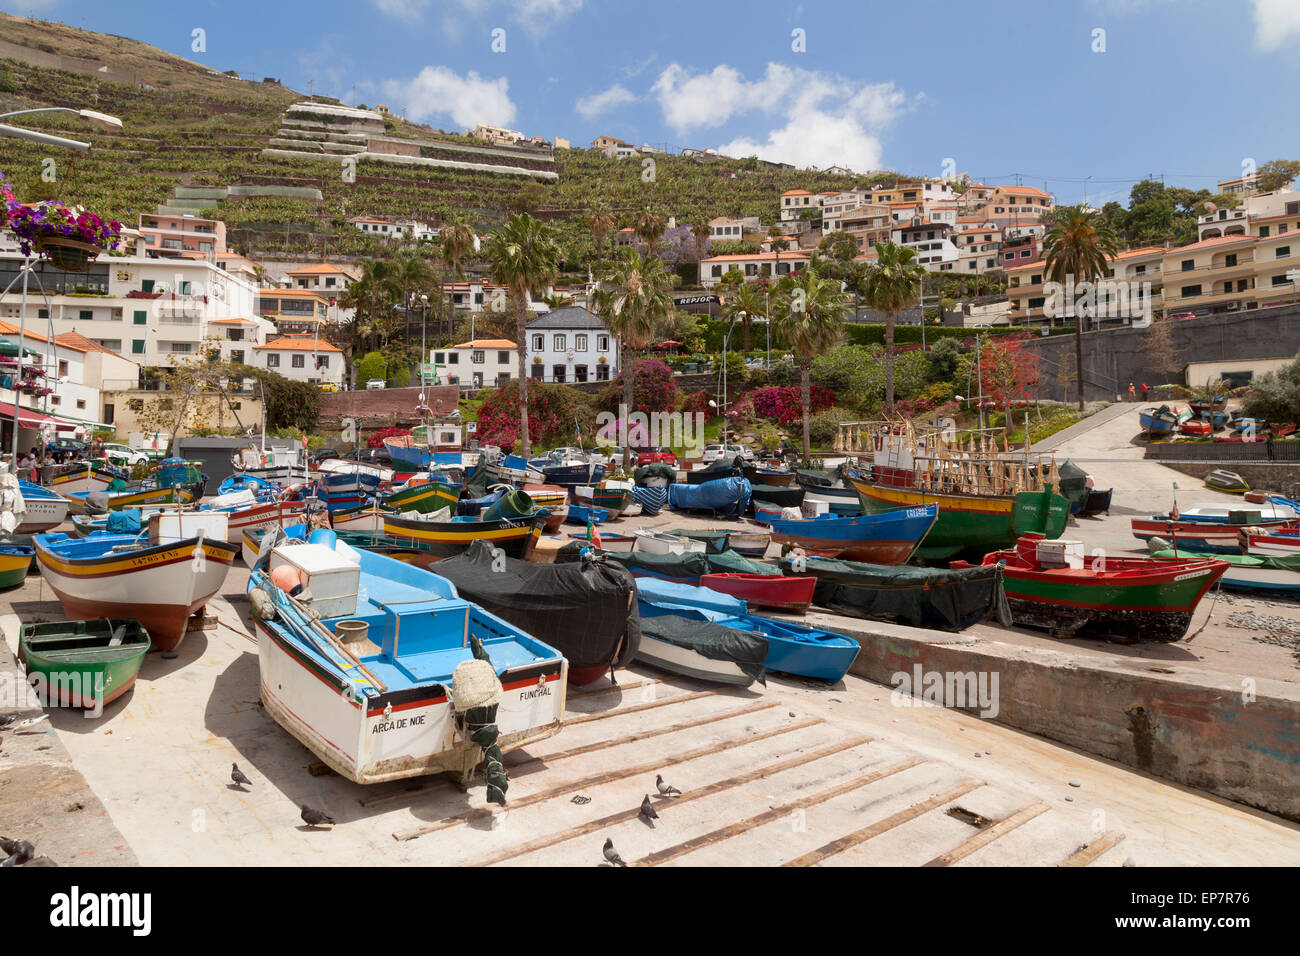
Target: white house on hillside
(303,358)
(482,363)
(571,344)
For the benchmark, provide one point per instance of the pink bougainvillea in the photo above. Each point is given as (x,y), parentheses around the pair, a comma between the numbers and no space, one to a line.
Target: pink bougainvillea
(783,404)
(653,389)
(377,439)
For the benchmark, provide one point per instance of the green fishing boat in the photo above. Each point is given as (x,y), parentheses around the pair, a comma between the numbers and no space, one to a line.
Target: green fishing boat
(15,562)
(83,664)
(426,497)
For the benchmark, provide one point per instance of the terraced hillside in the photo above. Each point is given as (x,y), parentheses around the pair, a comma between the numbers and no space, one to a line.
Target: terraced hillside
(190,126)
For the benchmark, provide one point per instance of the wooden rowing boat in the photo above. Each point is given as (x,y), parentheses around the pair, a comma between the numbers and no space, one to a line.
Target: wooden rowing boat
(83,664)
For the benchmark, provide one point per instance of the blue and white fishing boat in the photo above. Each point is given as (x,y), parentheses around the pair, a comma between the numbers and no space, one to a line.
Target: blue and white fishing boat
(387,684)
(584,514)
(887,537)
(651,500)
(245,482)
(45,509)
(569,467)
(792,648)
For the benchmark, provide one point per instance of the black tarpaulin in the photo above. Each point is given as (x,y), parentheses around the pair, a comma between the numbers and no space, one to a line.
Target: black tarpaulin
(676,566)
(921,597)
(690,630)
(585,610)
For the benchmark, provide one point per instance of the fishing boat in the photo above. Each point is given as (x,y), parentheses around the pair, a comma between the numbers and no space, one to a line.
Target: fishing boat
(821,487)
(400,549)
(937,598)
(1213,527)
(651,499)
(365,516)
(585,514)
(1209,403)
(1097,502)
(1229,481)
(80,502)
(660,542)
(1244,572)
(554,499)
(1249,426)
(516,536)
(1218,419)
(84,664)
(425,497)
(614,499)
(160,585)
(1270,542)
(609,540)
(44,509)
(243,482)
(1195,428)
(569,467)
(1163,419)
(474,506)
(889,537)
(791,648)
(429,445)
(349,477)
(276,465)
(1051,584)
(785,593)
(723,496)
(986,499)
(759,474)
(684,568)
(85,476)
(683,641)
(752,544)
(765,513)
(15,563)
(392,687)
(721,468)
(586,609)
(785,497)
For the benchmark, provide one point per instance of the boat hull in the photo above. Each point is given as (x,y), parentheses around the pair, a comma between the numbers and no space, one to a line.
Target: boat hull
(688,663)
(885,538)
(76,666)
(1195,535)
(760,590)
(15,563)
(425,498)
(515,536)
(970,523)
(43,514)
(159,586)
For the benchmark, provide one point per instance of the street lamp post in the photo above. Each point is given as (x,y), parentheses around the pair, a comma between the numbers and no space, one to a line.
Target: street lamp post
(722,398)
(424,353)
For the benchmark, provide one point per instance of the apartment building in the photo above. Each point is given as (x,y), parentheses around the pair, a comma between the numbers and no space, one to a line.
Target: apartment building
(497,135)
(1011,205)
(571,345)
(932,242)
(77,372)
(166,234)
(794,202)
(869,224)
(144,308)
(914,191)
(294,311)
(836,205)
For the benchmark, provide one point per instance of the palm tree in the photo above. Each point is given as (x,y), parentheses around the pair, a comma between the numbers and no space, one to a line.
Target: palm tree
(371,296)
(457,241)
(525,257)
(813,311)
(701,230)
(411,271)
(892,285)
(633,301)
(1077,247)
(649,227)
(262,276)
(601,222)
(746,302)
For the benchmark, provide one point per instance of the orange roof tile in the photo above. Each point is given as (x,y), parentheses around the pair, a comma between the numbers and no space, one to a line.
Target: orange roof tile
(321,268)
(299,343)
(1205,243)
(77,341)
(486,344)
(740,257)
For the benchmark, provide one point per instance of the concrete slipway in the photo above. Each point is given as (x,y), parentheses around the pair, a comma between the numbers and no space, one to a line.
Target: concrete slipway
(795,773)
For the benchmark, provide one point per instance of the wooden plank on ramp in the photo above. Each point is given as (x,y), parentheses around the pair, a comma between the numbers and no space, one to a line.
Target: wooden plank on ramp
(1089,852)
(988,835)
(882,826)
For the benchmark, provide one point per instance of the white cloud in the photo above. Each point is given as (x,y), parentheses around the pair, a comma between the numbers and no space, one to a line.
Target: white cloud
(409,10)
(589,107)
(829,120)
(535,16)
(467,99)
(1276,22)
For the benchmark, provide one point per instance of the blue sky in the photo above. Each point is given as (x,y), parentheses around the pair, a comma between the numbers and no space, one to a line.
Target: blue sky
(1184,89)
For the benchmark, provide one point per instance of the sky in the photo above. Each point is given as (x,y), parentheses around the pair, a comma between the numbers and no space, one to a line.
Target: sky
(1079,97)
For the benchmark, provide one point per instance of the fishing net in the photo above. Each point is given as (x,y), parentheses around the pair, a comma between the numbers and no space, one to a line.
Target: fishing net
(476,693)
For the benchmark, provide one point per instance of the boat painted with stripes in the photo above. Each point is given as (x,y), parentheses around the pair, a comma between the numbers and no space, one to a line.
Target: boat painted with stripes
(44,509)
(515,536)
(404,700)
(15,563)
(119,576)
(1133,597)
(425,497)
(84,476)
(85,664)
(889,537)
(1246,572)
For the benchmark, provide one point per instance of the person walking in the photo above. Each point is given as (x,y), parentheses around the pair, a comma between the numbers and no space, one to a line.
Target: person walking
(1144,391)
(1132,392)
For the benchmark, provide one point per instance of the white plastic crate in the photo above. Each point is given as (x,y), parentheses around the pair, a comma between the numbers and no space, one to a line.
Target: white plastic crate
(333,580)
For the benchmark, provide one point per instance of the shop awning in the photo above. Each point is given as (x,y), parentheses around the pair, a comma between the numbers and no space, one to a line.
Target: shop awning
(30,419)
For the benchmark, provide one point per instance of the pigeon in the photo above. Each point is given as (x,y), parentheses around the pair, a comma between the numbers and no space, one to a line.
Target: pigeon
(665,790)
(238,777)
(17,852)
(314,818)
(7,719)
(647,812)
(611,854)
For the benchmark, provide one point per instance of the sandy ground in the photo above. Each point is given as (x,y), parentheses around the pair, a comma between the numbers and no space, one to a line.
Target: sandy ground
(771,775)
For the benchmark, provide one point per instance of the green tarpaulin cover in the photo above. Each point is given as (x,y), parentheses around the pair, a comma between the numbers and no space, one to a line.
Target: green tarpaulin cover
(686,566)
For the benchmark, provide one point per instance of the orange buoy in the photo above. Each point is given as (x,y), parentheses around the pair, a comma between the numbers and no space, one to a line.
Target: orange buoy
(286,578)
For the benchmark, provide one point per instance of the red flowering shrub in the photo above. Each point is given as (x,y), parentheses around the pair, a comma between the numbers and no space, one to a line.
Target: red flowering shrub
(554,415)
(698,402)
(653,389)
(377,439)
(783,404)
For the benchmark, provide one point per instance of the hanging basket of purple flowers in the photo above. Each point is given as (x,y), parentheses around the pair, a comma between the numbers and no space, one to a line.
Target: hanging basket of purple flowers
(69,237)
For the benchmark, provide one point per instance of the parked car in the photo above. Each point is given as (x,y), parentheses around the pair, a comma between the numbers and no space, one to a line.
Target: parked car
(657,455)
(378,457)
(321,454)
(329,387)
(124,455)
(713,452)
(376,383)
(65,447)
